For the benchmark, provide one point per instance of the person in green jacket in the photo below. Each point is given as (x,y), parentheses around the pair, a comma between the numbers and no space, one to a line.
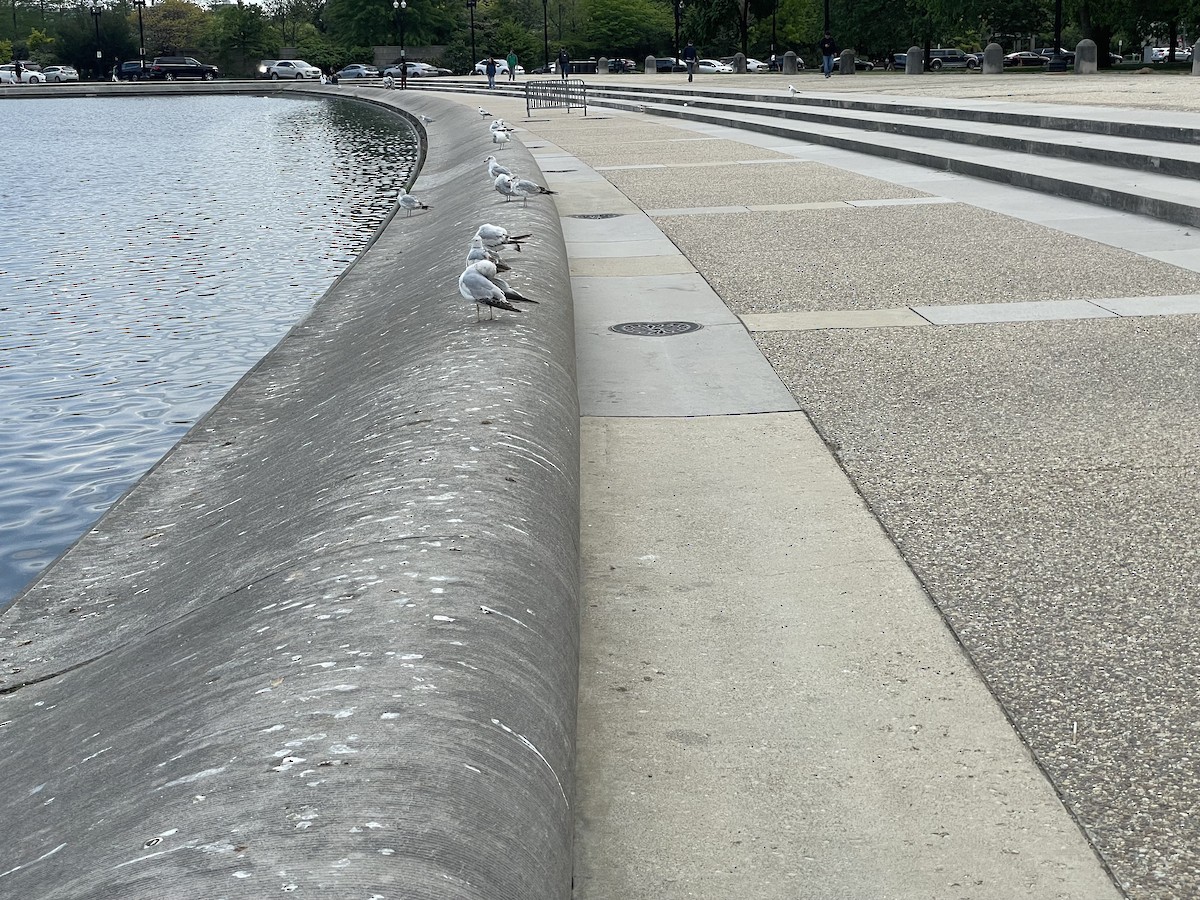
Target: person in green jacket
(512,65)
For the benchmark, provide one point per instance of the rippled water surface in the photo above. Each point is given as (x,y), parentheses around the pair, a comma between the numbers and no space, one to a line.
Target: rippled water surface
(151,251)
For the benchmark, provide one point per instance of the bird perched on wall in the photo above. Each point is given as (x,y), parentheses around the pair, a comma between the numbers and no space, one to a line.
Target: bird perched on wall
(503,185)
(425,119)
(477,252)
(488,270)
(500,125)
(483,112)
(387,82)
(494,237)
(792,89)
(501,138)
(408,202)
(524,188)
(474,286)
(494,168)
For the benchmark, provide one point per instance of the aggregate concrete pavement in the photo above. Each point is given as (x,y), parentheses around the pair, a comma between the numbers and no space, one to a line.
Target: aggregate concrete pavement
(1034,475)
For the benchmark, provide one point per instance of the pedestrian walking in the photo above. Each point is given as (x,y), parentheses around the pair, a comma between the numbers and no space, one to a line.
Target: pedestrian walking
(828,48)
(512,65)
(564,62)
(490,69)
(689,58)
(17,70)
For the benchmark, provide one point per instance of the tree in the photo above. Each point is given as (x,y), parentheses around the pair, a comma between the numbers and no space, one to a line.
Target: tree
(175,25)
(619,28)
(240,33)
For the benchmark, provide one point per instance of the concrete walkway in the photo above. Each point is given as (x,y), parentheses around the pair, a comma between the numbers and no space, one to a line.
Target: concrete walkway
(771,703)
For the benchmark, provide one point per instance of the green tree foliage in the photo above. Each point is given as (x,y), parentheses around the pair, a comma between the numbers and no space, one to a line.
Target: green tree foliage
(241,35)
(175,25)
(625,28)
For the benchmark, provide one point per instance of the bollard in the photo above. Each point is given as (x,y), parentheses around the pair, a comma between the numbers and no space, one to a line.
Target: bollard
(914,62)
(993,59)
(846,62)
(789,63)
(739,63)
(651,65)
(602,65)
(1087,58)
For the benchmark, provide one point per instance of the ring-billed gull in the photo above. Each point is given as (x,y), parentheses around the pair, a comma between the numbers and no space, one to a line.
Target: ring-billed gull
(477,252)
(488,270)
(483,112)
(494,168)
(500,137)
(474,286)
(426,119)
(524,188)
(494,237)
(408,202)
(503,185)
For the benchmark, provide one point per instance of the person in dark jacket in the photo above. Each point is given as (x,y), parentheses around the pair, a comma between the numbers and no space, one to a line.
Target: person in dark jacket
(490,69)
(564,63)
(828,48)
(689,58)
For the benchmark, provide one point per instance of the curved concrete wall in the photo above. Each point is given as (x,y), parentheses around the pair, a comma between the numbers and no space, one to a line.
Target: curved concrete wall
(329,645)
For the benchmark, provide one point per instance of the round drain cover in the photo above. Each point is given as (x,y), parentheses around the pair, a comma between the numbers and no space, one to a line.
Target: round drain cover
(656,329)
(597,215)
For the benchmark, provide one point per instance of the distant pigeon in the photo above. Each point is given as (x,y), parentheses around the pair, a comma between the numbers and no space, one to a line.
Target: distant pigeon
(524,188)
(474,286)
(483,112)
(408,202)
(494,168)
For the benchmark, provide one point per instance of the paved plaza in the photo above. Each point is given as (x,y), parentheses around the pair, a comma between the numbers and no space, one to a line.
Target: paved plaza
(889,570)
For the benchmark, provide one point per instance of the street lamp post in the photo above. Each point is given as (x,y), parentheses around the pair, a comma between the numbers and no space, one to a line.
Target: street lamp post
(96,12)
(400,6)
(774,10)
(471,6)
(140,4)
(678,16)
(826,16)
(546,36)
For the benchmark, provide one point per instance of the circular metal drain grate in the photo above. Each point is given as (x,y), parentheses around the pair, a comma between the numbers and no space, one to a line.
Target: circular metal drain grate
(597,215)
(656,329)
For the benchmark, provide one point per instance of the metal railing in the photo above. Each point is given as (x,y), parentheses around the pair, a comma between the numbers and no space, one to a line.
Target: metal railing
(554,93)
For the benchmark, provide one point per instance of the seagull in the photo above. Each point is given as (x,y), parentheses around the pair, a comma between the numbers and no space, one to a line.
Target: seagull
(494,237)
(474,286)
(483,112)
(792,89)
(524,188)
(488,270)
(409,202)
(500,137)
(477,252)
(387,82)
(504,186)
(424,118)
(494,168)
(500,125)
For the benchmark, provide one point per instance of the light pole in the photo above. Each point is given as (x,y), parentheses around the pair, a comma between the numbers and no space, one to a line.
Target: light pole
(546,36)
(471,6)
(400,6)
(678,16)
(827,16)
(774,10)
(96,12)
(140,4)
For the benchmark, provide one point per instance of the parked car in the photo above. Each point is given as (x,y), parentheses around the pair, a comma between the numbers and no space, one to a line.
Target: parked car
(899,61)
(667,64)
(1049,53)
(713,67)
(132,70)
(860,64)
(60,73)
(264,66)
(949,58)
(1024,58)
(412,69)
(1115,59)
(501,67)
(292,68)
(28,76)
(752,65)
(356,71)
(615,66)
(168,68)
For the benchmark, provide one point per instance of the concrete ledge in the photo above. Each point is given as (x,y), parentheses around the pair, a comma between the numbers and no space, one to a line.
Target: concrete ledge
(330,644)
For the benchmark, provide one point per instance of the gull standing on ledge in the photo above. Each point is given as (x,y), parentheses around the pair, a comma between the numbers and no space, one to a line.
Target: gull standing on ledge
(476,252)
(474,286)
(494,237)
(494,168)
(524,188)
(500,137)
(408,202)
(504,186)
(487,269)
(483,112)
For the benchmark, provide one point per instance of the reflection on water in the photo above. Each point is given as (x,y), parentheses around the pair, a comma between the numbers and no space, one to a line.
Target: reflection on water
(151,251)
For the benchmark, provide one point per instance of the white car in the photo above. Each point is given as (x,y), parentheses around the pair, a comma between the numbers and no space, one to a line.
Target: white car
(60,73)
(292,68)
(501,67)
(713,67)
(8,75)
(752,65)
